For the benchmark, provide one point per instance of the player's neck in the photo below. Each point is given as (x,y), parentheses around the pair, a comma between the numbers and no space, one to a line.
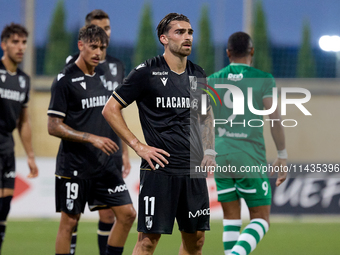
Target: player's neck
(176,63)
(85,67)
(9,64)
(244,60)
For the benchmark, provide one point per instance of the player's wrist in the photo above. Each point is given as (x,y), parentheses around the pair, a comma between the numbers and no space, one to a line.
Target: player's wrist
(30,155)
(210,152)
(134,144)
(89,138)
(282,154)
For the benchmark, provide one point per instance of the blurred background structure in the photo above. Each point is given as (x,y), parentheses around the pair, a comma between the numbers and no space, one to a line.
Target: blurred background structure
(285,34)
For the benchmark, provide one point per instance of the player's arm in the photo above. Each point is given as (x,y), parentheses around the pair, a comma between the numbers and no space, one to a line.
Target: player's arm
(25,133)
(208,138)
(58,128)
(113,115)
(126,160)
(279,139)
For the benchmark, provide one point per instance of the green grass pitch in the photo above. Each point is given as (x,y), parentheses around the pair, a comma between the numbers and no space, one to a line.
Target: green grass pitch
(37,237)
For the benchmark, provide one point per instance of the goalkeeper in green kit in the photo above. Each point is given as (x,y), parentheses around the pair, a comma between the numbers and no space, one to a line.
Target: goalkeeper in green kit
(240,144)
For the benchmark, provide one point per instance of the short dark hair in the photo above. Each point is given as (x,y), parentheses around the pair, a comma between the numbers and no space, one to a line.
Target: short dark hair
(239,44)
(11,29)
(93,33)
(95,14)
(163,26)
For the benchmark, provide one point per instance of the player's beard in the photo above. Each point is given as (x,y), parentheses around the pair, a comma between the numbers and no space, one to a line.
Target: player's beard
(14,58)
(180,50)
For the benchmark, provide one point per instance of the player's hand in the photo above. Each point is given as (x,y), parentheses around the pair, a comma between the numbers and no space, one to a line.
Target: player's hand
(281,177)
(208,160)
(126,165)
(104,144)
(151,153)
(34,172)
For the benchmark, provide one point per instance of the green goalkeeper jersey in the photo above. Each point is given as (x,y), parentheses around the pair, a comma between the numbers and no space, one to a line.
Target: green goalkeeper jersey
(239,134)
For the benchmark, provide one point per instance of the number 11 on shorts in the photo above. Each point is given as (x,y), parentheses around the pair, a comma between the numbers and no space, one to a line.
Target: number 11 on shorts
(149,201)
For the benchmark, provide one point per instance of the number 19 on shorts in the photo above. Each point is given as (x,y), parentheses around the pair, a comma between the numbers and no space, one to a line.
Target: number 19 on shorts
(72,190)
(149,205)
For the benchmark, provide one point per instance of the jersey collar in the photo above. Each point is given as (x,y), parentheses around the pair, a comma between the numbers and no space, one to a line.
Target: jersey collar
(238,64)
(163,59)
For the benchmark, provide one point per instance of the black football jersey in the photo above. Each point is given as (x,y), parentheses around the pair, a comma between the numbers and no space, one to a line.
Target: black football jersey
(168,110)
(79,99)
(14,95)
(111,70)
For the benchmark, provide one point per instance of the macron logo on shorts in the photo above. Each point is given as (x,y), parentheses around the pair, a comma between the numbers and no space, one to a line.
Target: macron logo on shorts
(119,188)
(199,213)
(10,174)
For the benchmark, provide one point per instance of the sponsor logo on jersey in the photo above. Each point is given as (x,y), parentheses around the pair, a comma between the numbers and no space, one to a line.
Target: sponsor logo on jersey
(69,204)
(172,102)
(160,73)
(193,83)
(83,84)
(78,79)
(235,77)
(94,102)
(148,222)
(140,66)
(12,95)
(119,188)
(224,132)
(10,174)
(198,213)
(164,80)
(22,82)
(113,68)
(61,75)
(3,78)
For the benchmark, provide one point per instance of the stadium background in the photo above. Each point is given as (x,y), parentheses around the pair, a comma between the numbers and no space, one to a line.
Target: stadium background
(313,140)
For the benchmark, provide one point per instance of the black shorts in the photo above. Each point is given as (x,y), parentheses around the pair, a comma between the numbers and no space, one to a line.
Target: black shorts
(163,198)
(100,193)
(7,171)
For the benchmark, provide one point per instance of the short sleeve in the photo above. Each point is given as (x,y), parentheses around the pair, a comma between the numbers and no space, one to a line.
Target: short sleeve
(71,59)
(27,97)
(269,84)
(133,86)
(59,96)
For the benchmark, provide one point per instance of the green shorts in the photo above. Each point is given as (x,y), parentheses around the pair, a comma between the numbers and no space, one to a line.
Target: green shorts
(241,179)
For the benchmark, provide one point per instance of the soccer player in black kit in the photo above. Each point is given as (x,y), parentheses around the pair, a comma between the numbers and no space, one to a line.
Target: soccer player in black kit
(89,160)
(14,96)
(161,88)
(111,72)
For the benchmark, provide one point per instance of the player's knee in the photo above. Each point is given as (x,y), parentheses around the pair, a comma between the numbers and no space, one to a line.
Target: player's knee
(70,222)
(106,216)
(194,243)
(128,217)
(148,244)
(198,245)
(131,216)
(73,223)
